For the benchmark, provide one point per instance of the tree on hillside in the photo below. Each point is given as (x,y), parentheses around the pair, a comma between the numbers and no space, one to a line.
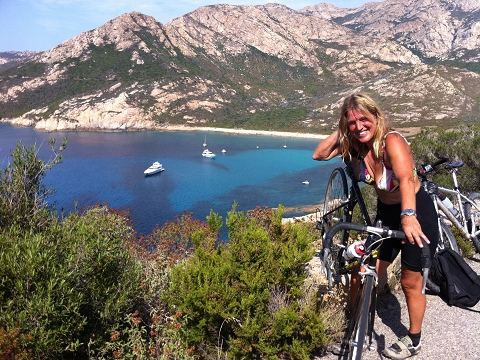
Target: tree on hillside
(23,195)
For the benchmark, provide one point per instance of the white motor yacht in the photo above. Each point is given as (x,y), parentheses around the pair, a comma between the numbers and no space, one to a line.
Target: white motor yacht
(154,168)
(208,154)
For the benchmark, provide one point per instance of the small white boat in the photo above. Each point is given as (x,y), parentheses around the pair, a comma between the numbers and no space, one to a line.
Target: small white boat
(205,141)
(224,151)
(154,168)
(285,146)
(208,154)
(306,182)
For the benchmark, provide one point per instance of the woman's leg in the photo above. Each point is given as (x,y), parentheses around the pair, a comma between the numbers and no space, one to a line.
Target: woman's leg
(416,301)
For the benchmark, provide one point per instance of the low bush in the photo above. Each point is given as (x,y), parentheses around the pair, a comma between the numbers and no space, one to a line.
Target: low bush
(66,287)
(244,299)
(23,195)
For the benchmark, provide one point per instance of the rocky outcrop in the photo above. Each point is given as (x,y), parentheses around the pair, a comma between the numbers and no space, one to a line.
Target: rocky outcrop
(221,61)
(444,29)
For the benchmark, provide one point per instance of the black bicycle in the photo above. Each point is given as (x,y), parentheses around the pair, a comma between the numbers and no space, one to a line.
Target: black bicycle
(343,194)
(359,334)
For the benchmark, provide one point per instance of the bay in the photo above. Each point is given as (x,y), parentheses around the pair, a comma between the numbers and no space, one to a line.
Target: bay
(108,167)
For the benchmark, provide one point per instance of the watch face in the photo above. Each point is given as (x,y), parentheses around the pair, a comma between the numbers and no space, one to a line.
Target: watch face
(408,212)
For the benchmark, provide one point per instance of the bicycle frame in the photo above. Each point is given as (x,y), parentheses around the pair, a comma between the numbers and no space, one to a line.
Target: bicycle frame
(355,197)
(359,333)
(461,199)
(459,220)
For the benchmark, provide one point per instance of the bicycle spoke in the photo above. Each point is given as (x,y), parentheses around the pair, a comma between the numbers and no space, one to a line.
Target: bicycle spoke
(335,211)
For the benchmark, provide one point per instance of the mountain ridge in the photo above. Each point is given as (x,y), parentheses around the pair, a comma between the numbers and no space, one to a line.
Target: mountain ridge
(264,67)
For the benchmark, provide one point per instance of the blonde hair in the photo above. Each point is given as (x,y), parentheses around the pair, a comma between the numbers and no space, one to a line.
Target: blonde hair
(364,104)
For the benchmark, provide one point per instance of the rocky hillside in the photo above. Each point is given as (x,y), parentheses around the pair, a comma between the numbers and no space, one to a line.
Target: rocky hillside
(255,67)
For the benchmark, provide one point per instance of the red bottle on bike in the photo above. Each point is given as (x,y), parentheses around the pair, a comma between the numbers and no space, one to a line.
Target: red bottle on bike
(355,250)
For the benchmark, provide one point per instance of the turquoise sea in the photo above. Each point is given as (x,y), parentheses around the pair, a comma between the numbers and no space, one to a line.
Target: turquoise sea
(108,167)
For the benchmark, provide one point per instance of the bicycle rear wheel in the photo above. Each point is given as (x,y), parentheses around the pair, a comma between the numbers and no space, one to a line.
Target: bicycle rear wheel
(335,210)
(472,215)
(357,333)
(447,240)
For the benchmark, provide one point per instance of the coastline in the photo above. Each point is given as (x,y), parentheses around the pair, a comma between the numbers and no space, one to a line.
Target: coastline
(309,210)
(244,132)
(180,128)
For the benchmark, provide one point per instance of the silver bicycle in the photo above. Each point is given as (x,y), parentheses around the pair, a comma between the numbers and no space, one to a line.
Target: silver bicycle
(465,214)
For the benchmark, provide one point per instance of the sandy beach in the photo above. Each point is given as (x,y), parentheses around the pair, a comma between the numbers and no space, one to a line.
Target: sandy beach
(245,132)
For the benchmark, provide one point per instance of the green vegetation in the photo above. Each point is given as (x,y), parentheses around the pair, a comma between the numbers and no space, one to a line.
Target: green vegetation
(246,297)
(84,286)
(462,143)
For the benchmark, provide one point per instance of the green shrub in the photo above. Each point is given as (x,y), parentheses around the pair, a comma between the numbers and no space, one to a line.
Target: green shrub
(462,143)
(23,195)
(67,286)
(244,299)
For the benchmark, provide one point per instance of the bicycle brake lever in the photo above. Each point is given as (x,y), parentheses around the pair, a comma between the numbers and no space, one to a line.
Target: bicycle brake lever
(426,262)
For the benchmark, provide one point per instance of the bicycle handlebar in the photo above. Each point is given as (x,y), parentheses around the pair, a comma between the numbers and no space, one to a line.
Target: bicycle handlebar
(425,169)
(382,232)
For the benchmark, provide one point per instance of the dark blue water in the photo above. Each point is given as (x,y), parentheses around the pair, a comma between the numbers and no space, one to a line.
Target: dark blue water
(108,167)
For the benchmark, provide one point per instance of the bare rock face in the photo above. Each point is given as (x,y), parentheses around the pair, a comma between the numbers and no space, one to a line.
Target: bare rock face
(444,29)
(279,31)
(380,47)
(121,32)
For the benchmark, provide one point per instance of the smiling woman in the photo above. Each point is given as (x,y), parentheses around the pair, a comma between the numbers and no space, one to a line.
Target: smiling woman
(387,164)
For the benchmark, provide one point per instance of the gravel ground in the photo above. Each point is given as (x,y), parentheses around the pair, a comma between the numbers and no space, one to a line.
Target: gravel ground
(447,333)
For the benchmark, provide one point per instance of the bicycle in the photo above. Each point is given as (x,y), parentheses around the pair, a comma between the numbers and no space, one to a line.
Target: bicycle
(466,217)
(339,204)
(340,201)
(446,239)
(359,333)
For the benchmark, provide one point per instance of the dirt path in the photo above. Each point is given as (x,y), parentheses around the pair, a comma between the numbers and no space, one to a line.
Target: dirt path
(448,332)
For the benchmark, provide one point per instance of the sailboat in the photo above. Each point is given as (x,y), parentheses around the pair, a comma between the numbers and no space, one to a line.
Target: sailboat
(205,141)
(285,146)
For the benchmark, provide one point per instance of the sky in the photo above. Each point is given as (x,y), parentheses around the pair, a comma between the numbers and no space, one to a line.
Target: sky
(39,25)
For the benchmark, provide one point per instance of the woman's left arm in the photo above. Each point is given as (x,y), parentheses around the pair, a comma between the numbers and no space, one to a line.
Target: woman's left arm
(399,157)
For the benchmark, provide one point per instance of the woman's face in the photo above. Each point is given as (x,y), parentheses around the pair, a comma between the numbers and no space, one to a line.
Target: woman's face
(362,127)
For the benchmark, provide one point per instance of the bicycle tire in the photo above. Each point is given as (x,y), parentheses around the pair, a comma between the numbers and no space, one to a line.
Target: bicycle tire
(336,194)
(448,238)
(469,210)
(356,339)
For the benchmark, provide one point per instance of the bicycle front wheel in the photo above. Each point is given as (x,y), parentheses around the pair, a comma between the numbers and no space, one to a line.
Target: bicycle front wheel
(334,211)
(335,197)
(472,215)
(358,333)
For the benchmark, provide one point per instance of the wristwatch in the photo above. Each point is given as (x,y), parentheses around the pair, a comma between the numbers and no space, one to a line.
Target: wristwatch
(408,212)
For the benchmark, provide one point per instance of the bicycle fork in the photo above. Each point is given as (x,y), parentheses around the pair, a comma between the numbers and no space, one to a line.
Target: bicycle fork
(371,271)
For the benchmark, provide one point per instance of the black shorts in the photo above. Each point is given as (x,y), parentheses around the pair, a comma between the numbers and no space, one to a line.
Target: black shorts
(411,254)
